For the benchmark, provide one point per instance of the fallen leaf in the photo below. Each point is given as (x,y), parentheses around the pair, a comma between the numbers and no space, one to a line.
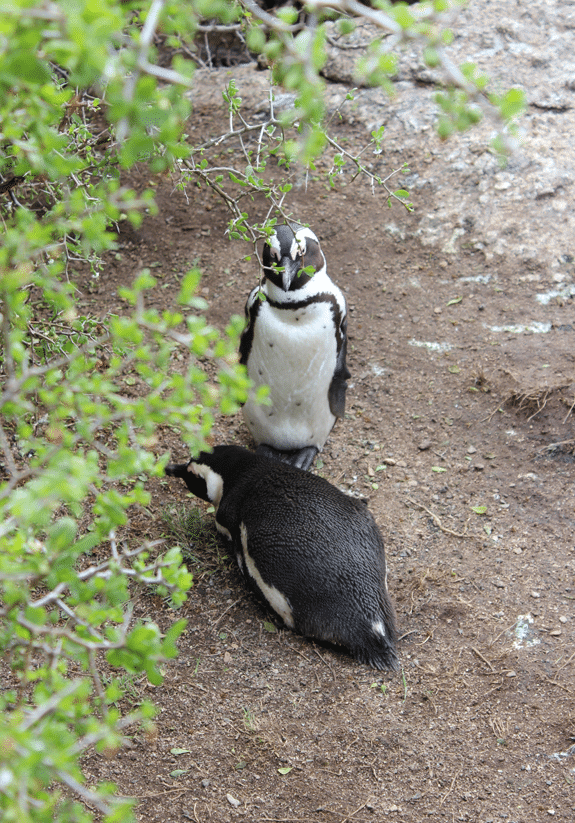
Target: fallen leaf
(178,772)
(454,301)
(269,627)
(479,509)
(438,469)
(179,751)
(285,769)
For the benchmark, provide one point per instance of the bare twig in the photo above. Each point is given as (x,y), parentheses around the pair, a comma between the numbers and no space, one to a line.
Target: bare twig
(485,660)
(223,614)
(446,795)
(438,521)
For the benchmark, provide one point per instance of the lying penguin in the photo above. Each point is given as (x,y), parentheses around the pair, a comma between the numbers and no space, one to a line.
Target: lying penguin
(295,342)
(313,553)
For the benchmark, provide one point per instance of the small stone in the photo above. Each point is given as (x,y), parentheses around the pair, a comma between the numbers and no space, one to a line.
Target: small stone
(535,594)
(471,450)
(437,310)
(499,583)
(232,801)
(512,674)
(551,811)
(517,550)
(401,464)
(555,632)
(479,467)
(389,461)
(424,445)
(563,619)
(205,783)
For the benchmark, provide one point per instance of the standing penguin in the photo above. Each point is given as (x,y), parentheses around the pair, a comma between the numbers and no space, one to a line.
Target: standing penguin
(313,553)
(295,342)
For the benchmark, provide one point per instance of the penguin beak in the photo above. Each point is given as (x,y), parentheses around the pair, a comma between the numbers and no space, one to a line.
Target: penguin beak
(290,270)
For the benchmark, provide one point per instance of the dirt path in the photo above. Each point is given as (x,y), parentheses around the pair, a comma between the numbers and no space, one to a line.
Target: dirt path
(461,397)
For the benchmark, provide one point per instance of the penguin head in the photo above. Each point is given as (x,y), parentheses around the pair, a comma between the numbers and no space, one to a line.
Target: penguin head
(201,479)
(205,474)
(291,249)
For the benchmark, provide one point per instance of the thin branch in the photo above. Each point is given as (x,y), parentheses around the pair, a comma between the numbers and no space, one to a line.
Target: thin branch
(49,705)
(87,796)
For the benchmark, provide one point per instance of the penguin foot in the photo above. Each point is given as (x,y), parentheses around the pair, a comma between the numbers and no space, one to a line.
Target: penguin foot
(300,458)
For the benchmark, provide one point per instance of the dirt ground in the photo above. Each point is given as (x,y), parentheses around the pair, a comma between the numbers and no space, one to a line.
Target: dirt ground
(461,396)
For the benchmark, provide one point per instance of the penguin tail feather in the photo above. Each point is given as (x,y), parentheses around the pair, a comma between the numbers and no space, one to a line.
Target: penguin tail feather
(377,646)
(378,653)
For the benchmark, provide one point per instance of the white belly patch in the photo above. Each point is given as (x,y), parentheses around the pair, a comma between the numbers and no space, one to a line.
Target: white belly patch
(275,598)
(294,352)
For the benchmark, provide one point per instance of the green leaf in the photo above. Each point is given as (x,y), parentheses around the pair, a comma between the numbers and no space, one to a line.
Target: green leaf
(438,469)
(269,627)
(453,301)
(285,769)
(479,509)
(454,369)
(180,751)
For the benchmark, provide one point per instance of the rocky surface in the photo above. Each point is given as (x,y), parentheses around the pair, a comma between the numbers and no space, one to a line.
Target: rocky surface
(525,209)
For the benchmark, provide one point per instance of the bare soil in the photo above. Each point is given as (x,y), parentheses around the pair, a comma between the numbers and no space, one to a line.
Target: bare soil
(457,400)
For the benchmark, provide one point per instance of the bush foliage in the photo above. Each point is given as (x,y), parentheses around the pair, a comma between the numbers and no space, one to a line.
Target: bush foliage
(84,96)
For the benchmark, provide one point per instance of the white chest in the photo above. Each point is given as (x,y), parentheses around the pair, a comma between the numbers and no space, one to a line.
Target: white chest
(293,352)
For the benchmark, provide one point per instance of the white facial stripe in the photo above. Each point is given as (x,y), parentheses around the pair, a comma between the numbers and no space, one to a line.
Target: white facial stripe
(275,598)
(214,481)
(298,246)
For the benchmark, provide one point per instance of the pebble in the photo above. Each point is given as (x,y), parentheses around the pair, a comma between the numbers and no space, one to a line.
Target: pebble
(563,619)
(499,583)
(555,632)
(471,450)
(232,801)
(205,783)
(479,467)
(535,594)
(424,445)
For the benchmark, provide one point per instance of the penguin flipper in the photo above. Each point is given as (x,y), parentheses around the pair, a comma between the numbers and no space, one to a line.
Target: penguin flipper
(300,458)
(338,385)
